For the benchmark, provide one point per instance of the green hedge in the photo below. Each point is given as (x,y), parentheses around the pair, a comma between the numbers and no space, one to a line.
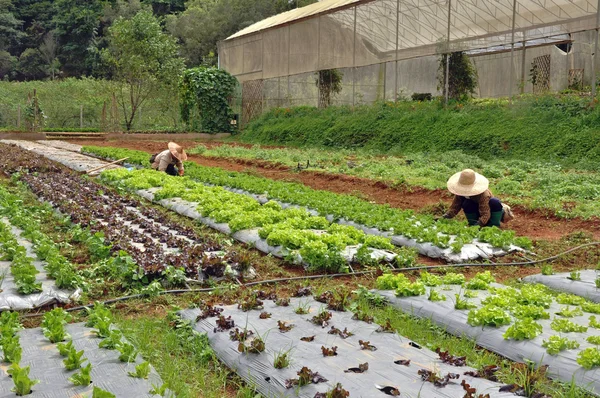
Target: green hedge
(563,128)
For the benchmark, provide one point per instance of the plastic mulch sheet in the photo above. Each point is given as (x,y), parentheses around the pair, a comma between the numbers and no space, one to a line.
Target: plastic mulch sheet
(562,366)
(11,299)
(248,236)
(46,365)
(585,287)
(73,160)
(258,370)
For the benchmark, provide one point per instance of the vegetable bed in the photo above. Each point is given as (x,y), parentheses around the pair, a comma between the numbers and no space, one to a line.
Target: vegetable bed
(444,234)
(523,324)
(302,347)
(585,283)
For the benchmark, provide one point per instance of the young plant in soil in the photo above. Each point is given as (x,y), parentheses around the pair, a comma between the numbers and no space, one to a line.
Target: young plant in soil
(251,303)
(302,309)
(547,270)
(284,327)
(335,392)
(462,304)
(434,295)
(20,377)
(363,367)
(11,348)
(127,351)
(453,360)
(254,346)
(344,334)
(100,393)
(283,301)
(282,359)
(471,392)
(436,380)
(74,359)
(305,377)
(308,339)
(112,341)
(556,344)
(329,352)
(386,327)
(224,324)
(366,345)
(523,329)
(322,318)
(238,335)
(84,377)
(53,325)
(265,315)
(574,276)
(141,371)
(486,372)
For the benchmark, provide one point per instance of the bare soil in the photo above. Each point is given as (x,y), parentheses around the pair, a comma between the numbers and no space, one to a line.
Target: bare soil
(534,224)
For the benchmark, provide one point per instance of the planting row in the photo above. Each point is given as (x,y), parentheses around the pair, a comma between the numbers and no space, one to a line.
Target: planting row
(535,184)
(90,367)
(584,283)
(142,241)
(450,234)
(292,233)
(307,348)
(527,323)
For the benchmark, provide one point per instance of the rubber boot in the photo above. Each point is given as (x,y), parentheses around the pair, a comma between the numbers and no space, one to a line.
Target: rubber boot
(472,218)
(495,218)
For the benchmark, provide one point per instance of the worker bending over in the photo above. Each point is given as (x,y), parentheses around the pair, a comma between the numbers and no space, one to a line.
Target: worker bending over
(471,195)
(170,160)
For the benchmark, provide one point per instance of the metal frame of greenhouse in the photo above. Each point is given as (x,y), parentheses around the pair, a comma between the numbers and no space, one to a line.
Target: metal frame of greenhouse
(386,49)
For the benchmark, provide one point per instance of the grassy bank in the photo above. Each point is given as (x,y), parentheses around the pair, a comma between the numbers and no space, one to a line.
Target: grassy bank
(560,128)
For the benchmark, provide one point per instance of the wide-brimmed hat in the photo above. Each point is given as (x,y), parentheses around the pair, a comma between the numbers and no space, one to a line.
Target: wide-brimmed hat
(467,183)
(177,151)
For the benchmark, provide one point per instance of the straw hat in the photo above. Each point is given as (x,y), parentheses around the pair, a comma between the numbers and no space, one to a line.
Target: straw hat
(177,151)
(467,183)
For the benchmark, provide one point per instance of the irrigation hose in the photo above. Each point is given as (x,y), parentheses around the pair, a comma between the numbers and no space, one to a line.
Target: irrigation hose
(322,276)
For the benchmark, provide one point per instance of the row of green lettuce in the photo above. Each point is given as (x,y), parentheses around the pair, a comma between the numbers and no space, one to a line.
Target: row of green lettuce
(295,229)
(422,228)
(518,307)
(24,271)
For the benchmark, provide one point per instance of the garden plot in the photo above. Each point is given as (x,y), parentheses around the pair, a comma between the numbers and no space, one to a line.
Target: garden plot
(46,365)
(338,351)
(73,160)
(67,146)
(584,283)
(526,324)
(449,239)
(36,289)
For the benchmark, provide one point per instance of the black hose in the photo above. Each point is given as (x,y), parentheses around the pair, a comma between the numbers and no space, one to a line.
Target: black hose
(309,277)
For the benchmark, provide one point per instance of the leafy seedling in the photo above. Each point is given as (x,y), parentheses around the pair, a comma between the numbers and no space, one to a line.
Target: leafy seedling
(283,302)
(159,390)
(284,327)
(403,362)
(434,295)
(303,291)
(141,371)
(11,348)
(250,303)
(100,393)
(308,339)
(240,335)
(360,315)
(282,359)
(388,390)
(344,334)
(96,313)
(547,270)
(329,352)
(53,325)
(20,377)
(335,392)
(265,315)
(366,345)
(224,324)
(84,377)
(254,346)
(112,341)
(386,327)
(453,360)
(322,318)
(428,375)
(209,312)
(363,367)
(127,351)
(574,276)
(302,309)
(305,377)
(471,392)
(74,359)
(103,327)
(487,372)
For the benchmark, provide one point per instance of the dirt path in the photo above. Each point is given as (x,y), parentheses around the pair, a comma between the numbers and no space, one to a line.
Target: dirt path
(535,224)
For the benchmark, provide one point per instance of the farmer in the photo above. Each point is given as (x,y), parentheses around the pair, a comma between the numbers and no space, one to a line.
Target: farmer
(170,160)
(471,194)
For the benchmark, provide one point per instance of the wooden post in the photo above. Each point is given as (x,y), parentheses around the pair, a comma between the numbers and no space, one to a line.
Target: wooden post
(103,120)
(19,117)
(523,53)
(447,77)
(81,116)
(35,111)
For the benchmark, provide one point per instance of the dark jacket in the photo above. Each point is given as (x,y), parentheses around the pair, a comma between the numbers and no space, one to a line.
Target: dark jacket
(483,200)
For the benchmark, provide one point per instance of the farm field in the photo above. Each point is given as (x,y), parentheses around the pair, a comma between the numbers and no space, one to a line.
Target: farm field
(112,242)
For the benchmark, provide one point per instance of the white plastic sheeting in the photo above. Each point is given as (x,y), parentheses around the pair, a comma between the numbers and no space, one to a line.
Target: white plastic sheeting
(46,365)
(11,299)
(562,366)
(586,287)
(258,369)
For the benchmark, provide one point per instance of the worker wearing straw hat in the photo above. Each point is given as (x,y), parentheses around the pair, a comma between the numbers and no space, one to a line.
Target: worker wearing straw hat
(471,195)
(170,160)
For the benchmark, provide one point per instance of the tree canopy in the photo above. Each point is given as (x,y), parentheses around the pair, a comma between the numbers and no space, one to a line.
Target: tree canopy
(60,38)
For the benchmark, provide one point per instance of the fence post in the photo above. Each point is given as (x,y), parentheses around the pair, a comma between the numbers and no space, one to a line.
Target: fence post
(447,77)
(81,116)
(523,53)
(19,117)
(512,53)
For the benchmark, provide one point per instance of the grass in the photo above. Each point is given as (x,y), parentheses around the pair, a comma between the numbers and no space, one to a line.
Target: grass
(549,127)
(534,184)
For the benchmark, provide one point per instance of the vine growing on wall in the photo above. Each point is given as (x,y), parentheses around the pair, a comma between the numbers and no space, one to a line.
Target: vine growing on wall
(462,80)
(329,82)
(205,94)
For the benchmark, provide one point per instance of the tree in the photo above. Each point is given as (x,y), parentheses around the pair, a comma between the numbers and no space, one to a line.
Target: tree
(329,83)
(48,50)
(206,22)
(142,58)
(462,80)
